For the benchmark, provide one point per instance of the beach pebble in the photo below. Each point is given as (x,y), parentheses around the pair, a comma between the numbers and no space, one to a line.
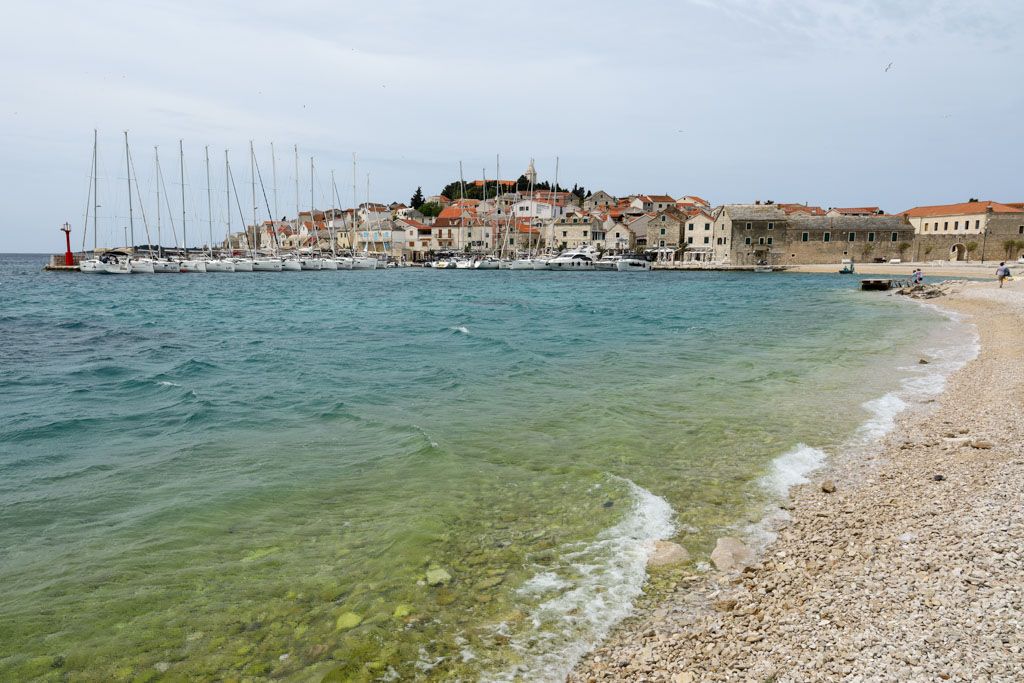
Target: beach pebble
(828,486)
(730,553)
(981,443)
(667,553)
(438,576)
(939,477)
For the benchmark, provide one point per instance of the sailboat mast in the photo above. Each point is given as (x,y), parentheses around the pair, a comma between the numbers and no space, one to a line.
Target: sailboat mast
(128,168)
(330,224)
(554,204)
(159,238)
(227,199)
(312,216)
(95,188)
(209,199)
(296,148)
(355,207)
(273,171)
(252,173)
(181,163)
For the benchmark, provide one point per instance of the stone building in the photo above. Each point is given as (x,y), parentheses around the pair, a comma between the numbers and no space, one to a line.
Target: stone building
(749,234)
(969,231)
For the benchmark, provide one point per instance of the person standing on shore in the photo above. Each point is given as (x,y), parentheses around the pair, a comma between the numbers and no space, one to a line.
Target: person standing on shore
(1002,272)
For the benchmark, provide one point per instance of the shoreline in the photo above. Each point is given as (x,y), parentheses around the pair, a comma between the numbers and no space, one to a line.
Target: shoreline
(893,575)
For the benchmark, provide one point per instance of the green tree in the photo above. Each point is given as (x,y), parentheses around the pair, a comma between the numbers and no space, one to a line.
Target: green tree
(417,199)
(971,248)
(430,209)
(903,247)
(1012,247)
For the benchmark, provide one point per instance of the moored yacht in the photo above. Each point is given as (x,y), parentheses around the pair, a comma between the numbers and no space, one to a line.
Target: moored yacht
(487,263)
(632,262)
(607,262)
(582,258)
(193,266)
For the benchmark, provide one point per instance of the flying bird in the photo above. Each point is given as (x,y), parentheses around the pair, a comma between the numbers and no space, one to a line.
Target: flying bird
(889,66)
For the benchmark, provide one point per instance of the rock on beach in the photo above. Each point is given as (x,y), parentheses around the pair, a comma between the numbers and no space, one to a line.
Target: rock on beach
(730,554)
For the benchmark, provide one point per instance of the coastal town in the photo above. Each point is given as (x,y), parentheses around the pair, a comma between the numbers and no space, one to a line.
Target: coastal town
(493,224)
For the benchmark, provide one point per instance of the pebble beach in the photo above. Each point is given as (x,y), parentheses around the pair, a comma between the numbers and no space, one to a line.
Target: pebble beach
(902,563)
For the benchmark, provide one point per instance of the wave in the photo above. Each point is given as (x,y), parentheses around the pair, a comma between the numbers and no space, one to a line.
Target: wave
(590,590)
(792,467)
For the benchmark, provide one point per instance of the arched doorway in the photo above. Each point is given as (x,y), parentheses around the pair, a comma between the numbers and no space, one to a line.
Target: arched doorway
(958,252)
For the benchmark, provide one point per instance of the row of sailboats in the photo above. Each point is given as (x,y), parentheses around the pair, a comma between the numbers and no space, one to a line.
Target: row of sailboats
(157,260)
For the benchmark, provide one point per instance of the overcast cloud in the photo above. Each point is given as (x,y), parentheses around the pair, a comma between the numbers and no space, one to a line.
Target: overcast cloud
(728,99)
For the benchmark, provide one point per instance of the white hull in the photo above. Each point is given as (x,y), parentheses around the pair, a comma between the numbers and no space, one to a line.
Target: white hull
(606,265)
(166,267)
(267,265)
(364,263)
(242,265)
(344,263)
(521,264)
(328,264)
(310,264)
(570,264)
(628,264)
(193,266)
(121,268)
(539,264)
(142,266)
(89,266)
(487,264)
(289,264)
(220,266)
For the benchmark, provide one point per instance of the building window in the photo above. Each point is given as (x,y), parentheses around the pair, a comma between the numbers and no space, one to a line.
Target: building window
(827,237)
(760,240)
(662,243)
(748,225)
(945,225)
(616,234)
(853,237)
(662,219)
(689,240)
(926,227)
(871,237)
(1020,230)
(956,224)
(895,236)
(690,226)
(769,240)
(805,236)
(707,226)
(564,234)
(663,231)
(584,233)
(977,225)
(771,226)
(746,241)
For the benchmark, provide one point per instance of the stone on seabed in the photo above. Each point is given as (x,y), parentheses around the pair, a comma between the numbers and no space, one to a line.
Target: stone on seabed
(348,620)
(730,553)
(667,553)
(438,576)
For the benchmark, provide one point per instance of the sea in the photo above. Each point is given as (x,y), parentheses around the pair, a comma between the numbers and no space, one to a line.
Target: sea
(406,474)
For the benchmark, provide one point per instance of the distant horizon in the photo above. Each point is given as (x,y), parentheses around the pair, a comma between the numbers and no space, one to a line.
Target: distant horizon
(839,104)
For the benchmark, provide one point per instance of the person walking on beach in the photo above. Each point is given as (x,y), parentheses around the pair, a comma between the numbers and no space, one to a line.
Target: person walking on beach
(1002,272)
(918,276)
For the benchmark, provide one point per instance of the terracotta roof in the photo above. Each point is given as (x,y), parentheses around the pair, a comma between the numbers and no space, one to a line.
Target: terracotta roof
(695,197)
(800,208)
(964,208)
(660,198)
(856,209)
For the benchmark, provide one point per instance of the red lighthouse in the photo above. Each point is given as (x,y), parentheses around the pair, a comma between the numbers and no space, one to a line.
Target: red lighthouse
(69,260)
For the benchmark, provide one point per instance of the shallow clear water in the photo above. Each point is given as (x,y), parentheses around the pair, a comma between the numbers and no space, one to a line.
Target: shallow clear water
(202,474)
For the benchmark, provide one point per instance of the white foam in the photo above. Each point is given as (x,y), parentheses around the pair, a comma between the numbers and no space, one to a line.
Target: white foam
(792,467)
(591,590)
(461,329)
(169,384)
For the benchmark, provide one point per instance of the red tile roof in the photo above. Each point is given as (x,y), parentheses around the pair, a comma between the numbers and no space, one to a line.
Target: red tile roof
(964,208)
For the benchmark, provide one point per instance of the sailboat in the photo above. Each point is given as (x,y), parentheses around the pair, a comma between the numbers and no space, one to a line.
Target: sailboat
(241,264)
(112,262)
(138,265)
(187,265)
(262,263)
(214,265)
(162,264)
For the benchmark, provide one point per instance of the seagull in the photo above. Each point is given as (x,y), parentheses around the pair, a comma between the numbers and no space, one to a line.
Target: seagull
(889,66)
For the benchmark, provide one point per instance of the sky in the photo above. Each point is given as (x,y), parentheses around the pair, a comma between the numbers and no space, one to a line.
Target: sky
(731,100)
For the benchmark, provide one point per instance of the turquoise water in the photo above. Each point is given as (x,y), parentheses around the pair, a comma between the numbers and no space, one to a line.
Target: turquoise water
(253,475)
